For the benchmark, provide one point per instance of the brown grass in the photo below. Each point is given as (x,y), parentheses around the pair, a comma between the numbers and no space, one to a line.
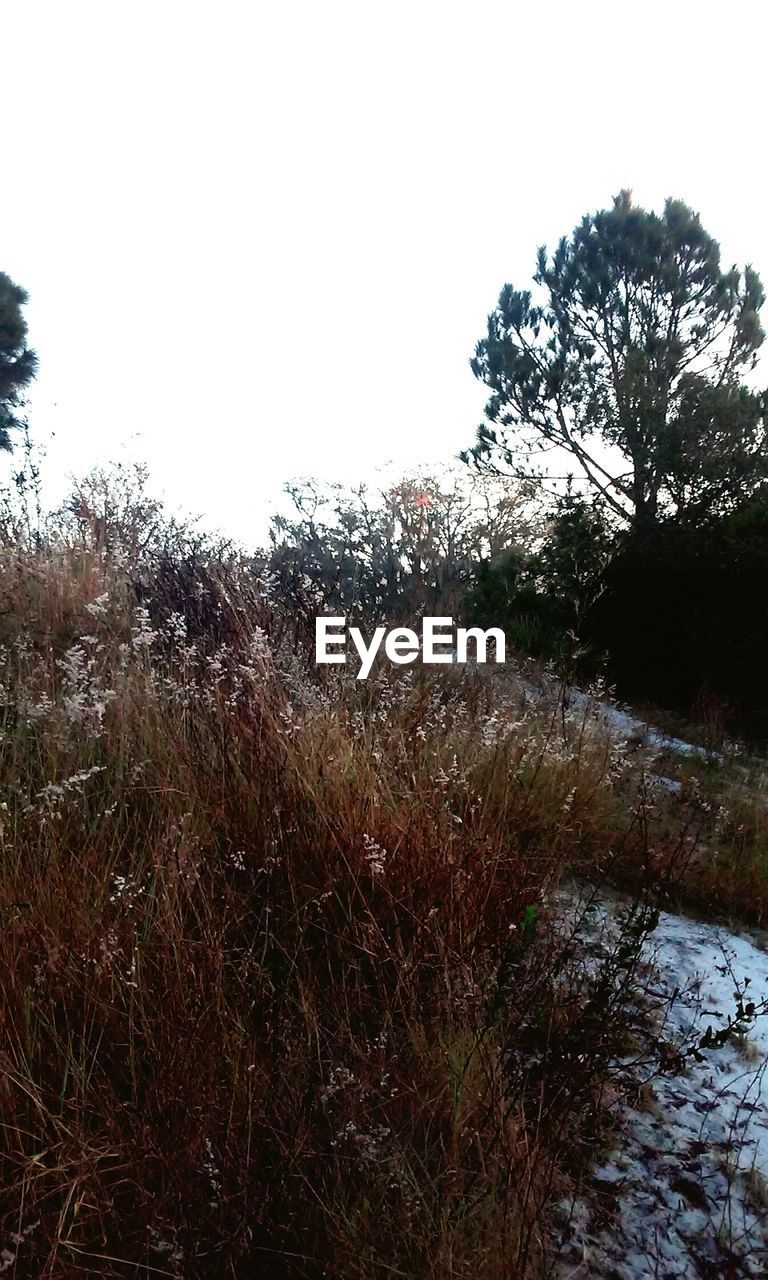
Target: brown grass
(270,945)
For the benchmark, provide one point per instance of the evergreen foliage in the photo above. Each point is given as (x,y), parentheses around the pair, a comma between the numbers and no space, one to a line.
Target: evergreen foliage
(630,365)
(18,364)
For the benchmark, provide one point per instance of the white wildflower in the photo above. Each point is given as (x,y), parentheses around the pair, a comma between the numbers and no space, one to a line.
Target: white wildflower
(375,856)
(338,1078)
(142,634)
(98,607)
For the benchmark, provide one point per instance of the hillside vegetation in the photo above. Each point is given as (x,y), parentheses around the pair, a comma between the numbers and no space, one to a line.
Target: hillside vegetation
(281,990)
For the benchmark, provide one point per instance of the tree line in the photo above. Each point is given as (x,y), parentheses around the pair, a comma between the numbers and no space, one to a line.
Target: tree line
(612,511)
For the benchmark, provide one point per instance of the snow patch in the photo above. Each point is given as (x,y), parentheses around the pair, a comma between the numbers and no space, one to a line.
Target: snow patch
(685,1183)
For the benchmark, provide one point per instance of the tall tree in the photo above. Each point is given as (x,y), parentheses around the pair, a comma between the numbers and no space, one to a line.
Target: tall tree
(18,363)
(630,365)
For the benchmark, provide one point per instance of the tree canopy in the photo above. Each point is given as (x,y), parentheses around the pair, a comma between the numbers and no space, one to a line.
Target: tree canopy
(630,363)
(18,363)
(393,554)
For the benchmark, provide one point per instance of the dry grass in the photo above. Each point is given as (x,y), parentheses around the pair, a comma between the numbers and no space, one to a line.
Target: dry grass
(719,823)
(269,948)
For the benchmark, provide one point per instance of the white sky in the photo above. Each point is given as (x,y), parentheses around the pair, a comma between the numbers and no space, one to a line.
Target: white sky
(261,239)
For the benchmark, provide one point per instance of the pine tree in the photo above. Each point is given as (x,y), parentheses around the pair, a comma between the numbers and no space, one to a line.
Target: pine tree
(630,364)
(18,364)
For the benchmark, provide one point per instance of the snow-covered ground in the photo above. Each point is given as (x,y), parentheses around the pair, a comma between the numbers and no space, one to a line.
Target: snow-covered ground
(618,721)
(622,724)
(684,1190)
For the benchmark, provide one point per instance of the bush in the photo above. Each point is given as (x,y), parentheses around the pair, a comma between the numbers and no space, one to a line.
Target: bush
(684,617)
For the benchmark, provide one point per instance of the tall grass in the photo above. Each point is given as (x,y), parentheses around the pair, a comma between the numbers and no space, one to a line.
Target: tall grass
(277,993)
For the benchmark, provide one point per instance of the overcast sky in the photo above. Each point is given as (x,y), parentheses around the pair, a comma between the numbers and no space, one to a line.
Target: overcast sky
(261,239)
